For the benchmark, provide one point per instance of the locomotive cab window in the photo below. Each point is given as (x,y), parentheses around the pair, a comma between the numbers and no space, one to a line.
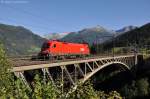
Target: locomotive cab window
(46,45)
(54,45)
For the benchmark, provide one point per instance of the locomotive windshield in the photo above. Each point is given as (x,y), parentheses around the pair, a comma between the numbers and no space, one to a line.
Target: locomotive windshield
(46,45)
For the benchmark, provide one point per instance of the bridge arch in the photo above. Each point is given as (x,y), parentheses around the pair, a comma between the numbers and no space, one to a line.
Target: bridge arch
(123,65)
(88,76)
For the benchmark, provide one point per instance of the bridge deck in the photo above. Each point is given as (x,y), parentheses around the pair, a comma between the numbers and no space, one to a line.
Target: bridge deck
(17,62)
(30,65)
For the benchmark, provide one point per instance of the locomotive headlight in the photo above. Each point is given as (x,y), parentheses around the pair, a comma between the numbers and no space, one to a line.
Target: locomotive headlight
(46,51)
(82,49)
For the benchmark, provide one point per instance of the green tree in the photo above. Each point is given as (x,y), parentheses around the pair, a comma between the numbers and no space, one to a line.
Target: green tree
(85,91)
(20,90)
(143,87)
(6,84)
(114,95)
(44,90)
(128,89)
(137,88)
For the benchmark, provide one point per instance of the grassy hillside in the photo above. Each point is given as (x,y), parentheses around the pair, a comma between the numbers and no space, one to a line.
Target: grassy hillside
(18,40)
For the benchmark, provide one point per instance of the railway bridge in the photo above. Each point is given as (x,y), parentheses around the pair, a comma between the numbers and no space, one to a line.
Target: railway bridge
(71,72)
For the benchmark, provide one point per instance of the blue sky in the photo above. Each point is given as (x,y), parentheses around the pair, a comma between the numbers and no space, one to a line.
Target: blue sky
(48,16)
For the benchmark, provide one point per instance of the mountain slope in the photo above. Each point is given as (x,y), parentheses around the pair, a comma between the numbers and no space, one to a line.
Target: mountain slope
(55,36)
(90,35)
(139,36)
(126,29)
(18,40)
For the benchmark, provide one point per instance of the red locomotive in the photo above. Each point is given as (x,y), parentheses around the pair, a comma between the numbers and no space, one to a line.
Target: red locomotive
(54,48)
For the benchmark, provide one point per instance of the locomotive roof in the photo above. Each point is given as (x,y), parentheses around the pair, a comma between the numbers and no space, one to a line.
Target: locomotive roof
(64,41)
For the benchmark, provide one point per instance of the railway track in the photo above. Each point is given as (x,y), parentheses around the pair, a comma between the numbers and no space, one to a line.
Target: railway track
(26,61)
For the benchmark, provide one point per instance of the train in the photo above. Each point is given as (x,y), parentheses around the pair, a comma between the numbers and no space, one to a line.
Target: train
(59,49)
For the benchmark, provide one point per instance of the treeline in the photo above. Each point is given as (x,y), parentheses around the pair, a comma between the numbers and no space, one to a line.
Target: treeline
(110,49)
(136,89)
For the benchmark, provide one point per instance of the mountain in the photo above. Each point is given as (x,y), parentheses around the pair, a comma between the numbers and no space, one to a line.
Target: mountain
(55,36)
(139,36)
(125,29)
(18,40)
(92,35)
